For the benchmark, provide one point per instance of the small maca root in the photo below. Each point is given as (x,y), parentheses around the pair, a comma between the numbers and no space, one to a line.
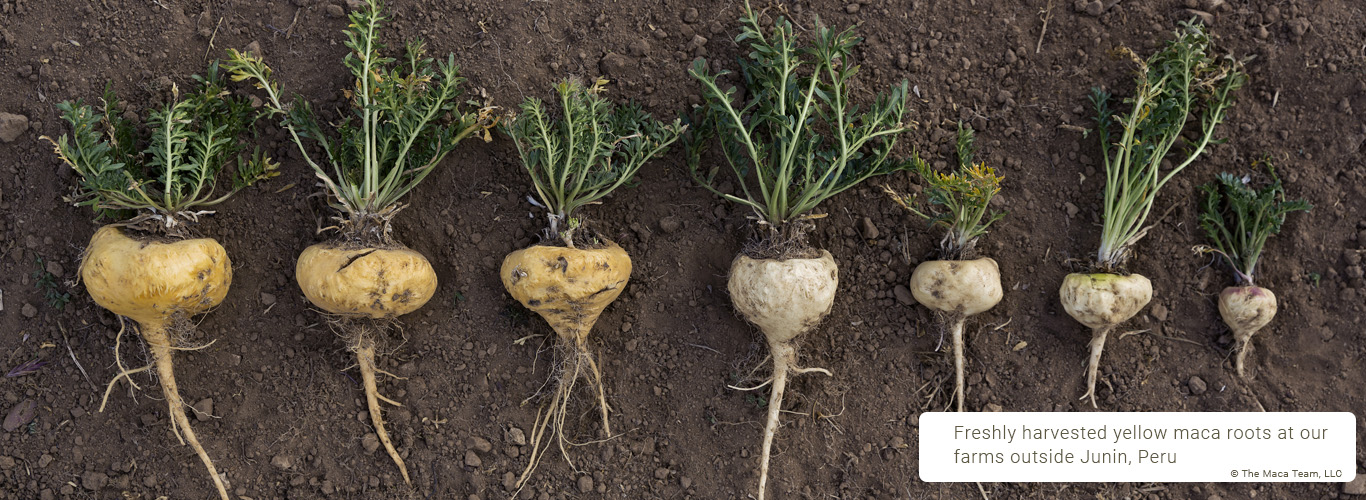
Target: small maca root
(364,347)
(576,362)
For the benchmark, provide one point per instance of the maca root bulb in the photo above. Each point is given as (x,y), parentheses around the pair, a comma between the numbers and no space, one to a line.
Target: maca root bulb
(965,287)
(569,287)
(365,282)
(957,288)
(151,282)
(784,298)
(1102,301)
(148,281)
(1246,309)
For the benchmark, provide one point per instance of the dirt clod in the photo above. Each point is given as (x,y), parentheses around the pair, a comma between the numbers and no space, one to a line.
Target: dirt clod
(585,484)
(282,461)
(11,126)
(472,460)
(203,410)
(370,442)
(94,481)
(1197,385)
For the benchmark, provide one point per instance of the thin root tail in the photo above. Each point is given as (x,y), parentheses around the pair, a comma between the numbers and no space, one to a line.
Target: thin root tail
(1097,346)
(957,332)
(365,359)
(784,363)
(159,343)
(1240,356)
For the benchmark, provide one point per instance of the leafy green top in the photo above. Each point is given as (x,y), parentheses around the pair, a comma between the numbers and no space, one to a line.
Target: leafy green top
(1239,219)
(964,195)
(1181,79)
(590,149)
(175,176)
(778,132)
(396,132)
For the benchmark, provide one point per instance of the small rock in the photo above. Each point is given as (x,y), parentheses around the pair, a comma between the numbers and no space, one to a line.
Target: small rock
(1299,26)
(282,461)
(253,48)
(994,408)
(54,268)
(516,436)
(267,299)
(94,481)
(370,442)
(1356,487)
(614,65)
(903,295)
(334,10)
(6,463)
(685,482)
(44,460)
(640,48)
(690,15)
(1071,209)
(669,224)
(1197,385)
(662,473)
(28,310)
(1160,312)
(481,444)
(472,459)
(1095,8)
(585,484)
(11,125)
(851,8)
(869,230)
(203,410)
(355,5)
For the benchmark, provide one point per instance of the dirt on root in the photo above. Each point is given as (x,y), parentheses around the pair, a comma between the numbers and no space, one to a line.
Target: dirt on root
(285,411)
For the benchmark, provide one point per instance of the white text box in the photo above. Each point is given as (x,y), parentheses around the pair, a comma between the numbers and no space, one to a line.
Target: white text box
(1138,447)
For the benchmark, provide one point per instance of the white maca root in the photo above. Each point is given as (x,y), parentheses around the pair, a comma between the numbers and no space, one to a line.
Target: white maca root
(784,298)
(1246,309)
(957,288)
(1102,301)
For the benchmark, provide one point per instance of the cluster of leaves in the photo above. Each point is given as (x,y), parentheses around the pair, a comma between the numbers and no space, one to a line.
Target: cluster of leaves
(1238,219)
(591,148)
(796,132)
(404,119)
(1183,79)
(957,201)
(45,281)
(188,144)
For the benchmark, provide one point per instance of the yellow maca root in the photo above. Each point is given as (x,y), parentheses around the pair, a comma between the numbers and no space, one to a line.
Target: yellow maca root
(1102,301)
(154,282)
(1245,310)
(784,298)
(364,282)
(569,287)
(958,288)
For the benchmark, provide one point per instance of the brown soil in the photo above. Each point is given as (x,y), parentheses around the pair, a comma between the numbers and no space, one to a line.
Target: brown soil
(287,409)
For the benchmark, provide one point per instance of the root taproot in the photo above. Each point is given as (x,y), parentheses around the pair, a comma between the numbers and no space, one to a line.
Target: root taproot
(365,359)
(550,418)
